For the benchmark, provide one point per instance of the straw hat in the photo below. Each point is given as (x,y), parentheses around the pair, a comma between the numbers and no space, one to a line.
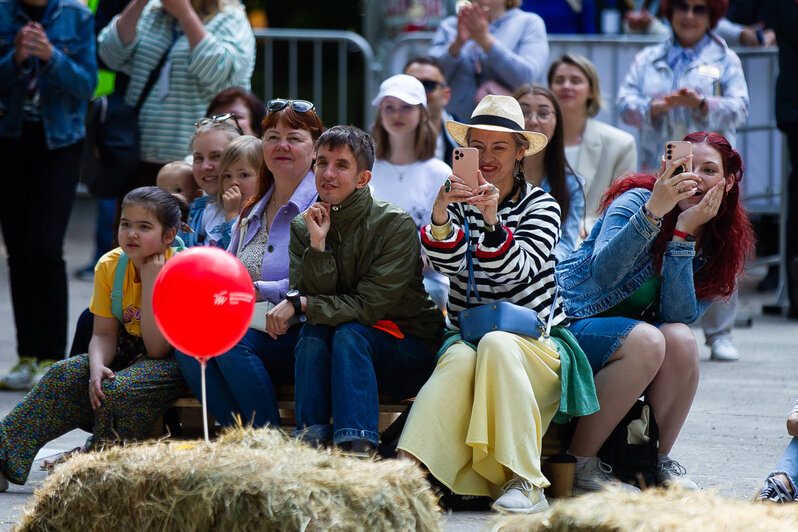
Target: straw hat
(497,113)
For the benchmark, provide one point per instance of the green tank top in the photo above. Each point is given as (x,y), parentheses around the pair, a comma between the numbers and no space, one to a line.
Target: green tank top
(642,304)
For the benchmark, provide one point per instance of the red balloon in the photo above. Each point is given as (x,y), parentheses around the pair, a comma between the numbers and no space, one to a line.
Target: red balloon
(203,300)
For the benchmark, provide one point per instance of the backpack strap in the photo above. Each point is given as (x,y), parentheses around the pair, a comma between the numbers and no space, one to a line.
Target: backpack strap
(119,281)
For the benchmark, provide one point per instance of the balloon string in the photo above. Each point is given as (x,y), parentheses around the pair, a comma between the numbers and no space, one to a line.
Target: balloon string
(204,402)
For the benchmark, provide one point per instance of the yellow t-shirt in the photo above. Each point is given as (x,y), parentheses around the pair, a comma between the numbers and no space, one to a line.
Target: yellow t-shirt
(104,274)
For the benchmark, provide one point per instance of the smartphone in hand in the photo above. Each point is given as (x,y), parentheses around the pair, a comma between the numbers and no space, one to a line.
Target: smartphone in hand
(465,164)
(676,149)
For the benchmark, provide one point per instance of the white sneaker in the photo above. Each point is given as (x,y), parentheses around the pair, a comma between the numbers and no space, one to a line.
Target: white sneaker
(520,496)
(596,475)
(723,349)
(672,473)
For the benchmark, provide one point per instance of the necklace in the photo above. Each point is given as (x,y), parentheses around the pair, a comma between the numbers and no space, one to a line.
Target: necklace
(407,169)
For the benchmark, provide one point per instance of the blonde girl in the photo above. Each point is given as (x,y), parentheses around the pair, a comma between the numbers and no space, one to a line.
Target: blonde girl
(238,174)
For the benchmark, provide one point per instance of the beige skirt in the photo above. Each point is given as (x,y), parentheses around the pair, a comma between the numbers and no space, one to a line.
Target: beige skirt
(481,416)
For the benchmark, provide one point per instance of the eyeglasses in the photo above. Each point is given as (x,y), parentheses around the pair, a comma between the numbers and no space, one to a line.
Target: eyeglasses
(300,106)
(698,10)
(544,115)
(217,119)
(430,85)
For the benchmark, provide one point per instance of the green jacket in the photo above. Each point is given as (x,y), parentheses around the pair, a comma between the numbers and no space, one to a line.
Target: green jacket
(370,271)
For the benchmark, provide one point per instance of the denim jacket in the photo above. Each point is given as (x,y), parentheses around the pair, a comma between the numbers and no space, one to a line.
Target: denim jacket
(716,73)
(66,81)
(195,214)
(615,260)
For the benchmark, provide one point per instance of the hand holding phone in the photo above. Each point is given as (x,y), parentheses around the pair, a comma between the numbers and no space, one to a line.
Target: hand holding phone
(465,164)
(676,149)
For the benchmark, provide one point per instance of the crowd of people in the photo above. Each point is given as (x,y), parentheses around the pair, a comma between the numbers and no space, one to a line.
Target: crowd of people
(371,255)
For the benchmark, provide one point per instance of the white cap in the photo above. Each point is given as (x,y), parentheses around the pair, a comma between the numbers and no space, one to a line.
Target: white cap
(404,87)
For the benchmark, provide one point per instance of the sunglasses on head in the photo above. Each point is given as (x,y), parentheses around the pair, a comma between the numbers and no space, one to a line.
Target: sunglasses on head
(430,85)
(300,106)
(216,119)
(698,10)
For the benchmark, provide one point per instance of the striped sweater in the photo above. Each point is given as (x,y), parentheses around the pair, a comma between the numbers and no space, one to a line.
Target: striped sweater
(224,58)
(517,267)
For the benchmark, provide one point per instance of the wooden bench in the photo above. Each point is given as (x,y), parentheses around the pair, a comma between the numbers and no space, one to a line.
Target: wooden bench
(190,411)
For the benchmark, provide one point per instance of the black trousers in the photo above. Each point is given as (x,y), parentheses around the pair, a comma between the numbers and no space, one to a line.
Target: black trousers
(34,212)
(791,197)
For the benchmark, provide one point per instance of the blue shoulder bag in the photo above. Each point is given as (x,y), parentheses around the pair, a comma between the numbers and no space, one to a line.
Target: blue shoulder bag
(476,322)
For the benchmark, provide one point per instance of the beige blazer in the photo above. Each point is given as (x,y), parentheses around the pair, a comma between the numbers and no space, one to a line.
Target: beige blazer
(606,152)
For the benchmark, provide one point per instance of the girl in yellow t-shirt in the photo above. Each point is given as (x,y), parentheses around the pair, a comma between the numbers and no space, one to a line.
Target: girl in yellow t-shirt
(129,376)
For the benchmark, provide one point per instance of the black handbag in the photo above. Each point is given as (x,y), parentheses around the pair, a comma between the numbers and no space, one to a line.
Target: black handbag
(111,150)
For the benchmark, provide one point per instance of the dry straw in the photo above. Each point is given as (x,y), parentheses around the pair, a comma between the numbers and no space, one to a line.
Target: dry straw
(655,510)
(247,480)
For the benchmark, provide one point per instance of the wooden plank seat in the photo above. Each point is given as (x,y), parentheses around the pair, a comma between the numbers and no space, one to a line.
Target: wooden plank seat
(190,409)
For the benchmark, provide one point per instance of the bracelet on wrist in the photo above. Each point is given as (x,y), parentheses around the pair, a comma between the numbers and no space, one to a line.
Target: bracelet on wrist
(681,234)
(656,220)
(441,232)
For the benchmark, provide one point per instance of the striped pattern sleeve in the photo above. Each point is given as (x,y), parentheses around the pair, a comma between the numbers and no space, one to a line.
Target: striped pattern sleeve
(227,50)
(533,229)
(447,256)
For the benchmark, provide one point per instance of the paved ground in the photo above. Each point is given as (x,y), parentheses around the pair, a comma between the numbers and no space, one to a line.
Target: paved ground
(733,436)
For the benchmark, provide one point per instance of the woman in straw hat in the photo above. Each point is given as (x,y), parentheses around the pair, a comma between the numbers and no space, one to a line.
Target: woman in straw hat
(478,422)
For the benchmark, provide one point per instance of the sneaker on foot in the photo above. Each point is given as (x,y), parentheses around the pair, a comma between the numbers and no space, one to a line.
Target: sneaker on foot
(520,496)
(42,368)
(774,490)
(596,475)
(20,376)
(672,473)
(722,348)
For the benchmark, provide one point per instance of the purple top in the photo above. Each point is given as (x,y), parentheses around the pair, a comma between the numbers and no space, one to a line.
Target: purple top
(274,271)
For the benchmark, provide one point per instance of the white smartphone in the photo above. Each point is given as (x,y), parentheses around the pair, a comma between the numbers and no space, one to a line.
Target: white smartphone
(676,149)
(465,164)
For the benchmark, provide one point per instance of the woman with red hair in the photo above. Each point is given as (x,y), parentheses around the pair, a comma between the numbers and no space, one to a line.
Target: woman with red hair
(662,251)
(690,82)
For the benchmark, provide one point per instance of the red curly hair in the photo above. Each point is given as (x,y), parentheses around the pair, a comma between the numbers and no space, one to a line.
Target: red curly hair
(728,237)
(717,10)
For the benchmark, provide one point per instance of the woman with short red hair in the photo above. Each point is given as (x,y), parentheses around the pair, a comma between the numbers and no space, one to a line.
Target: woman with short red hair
(664,248)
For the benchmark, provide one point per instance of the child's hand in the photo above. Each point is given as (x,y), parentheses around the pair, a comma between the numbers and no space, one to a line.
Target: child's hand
(151,267)
(96,396)
(232,202)
(792,424)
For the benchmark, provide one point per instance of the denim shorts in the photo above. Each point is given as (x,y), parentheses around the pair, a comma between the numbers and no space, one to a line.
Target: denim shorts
(599,337)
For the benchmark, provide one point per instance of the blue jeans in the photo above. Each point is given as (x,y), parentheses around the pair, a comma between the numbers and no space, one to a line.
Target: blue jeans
(788,464)
(241,382)
(340,372)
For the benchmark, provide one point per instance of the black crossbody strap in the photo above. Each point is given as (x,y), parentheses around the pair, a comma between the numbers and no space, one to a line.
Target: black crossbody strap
(154,74)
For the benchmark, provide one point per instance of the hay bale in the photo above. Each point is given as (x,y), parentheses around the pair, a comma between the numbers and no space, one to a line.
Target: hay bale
(655,510)
(248,480)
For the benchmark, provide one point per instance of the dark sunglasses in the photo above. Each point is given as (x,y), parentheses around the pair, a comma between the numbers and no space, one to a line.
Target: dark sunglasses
(430,85)
(216,119)
(300,106)
(698,11)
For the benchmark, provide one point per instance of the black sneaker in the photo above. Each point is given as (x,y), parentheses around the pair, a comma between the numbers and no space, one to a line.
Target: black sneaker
(774,490)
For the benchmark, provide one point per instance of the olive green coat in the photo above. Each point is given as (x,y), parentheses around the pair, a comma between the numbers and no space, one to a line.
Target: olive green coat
(370,271)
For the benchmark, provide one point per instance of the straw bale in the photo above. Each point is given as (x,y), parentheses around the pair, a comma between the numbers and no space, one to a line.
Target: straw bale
(654,510)
(247,480)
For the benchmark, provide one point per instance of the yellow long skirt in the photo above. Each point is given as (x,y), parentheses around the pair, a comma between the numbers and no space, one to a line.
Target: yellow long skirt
(481,416)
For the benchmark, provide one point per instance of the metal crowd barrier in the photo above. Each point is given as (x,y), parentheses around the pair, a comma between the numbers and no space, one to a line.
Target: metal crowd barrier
(344,44)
